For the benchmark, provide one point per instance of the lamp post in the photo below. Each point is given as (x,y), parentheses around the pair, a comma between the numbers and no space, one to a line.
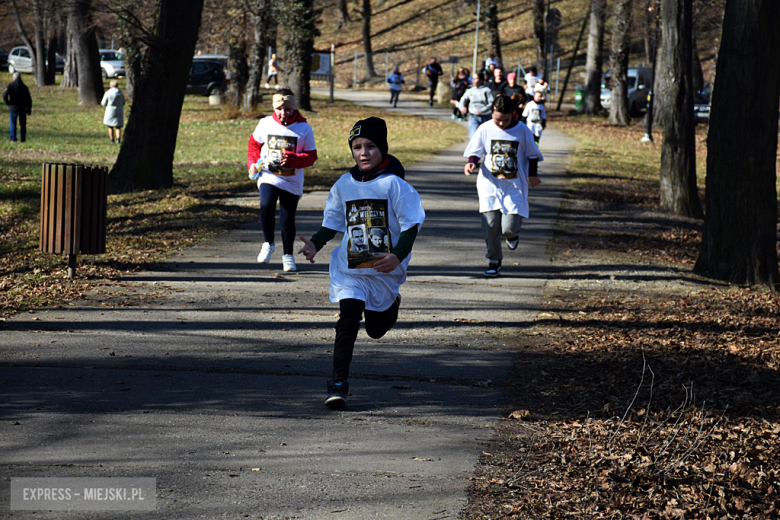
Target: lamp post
(476,42)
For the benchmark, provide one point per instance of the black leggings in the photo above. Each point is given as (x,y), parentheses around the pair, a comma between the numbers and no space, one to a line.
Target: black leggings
(348,325)
(288,205)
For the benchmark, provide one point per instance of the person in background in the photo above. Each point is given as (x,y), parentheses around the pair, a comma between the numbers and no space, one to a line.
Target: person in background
(17,97)
(396,80)
(511,87)
(535,116)
(432,70)
(497,82)
(114,101)
(460,83)
(273,72)
(477,102)
(530,82)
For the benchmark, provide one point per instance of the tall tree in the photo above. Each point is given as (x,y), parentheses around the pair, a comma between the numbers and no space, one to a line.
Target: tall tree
(237,56)
(343,13)
(539,32)
(83,35)
(679,193)
(593,64)
(491,24)
(366,13)
(301,18)
(263,37)
(146,157)
(621,41)
(739,242)
(42,10)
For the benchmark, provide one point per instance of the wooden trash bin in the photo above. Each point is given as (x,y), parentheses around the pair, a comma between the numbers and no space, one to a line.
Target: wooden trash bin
(73,210)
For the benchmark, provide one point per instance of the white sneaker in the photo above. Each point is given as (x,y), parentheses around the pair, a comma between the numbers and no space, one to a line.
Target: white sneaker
(267,85)
(288,263)
(265,253)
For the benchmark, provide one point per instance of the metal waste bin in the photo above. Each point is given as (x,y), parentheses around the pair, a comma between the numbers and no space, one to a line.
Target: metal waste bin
(579,98)
(73,210)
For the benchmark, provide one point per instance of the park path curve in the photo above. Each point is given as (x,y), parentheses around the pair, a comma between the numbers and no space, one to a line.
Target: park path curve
(210,375)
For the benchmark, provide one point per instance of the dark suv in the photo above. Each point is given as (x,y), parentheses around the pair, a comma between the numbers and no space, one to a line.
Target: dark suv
(207,77)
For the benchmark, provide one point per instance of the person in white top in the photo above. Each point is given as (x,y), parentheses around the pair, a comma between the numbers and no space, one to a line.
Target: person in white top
(536,116)
(373,195)
(281,146)
(508,169)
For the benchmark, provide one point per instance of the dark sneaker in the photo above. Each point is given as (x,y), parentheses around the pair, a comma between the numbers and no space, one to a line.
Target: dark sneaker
(494,268)
(512,243)
(337,394)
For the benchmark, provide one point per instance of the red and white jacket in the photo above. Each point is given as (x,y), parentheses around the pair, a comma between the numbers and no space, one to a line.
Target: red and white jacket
(271,139)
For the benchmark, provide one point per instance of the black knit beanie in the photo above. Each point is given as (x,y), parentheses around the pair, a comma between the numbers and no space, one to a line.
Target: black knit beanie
(374,129)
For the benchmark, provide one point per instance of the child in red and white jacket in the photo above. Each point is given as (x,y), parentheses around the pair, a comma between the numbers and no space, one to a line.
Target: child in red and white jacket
(281,146)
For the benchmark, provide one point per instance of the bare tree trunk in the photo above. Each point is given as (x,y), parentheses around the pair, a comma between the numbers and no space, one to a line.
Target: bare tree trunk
(679,194)
(39,63)
(238,67)
(621,40)
(593,65)
(70,74)
(256,56)
(51,56)
(343,10)
(298,50)
(370,72)
(491,23)
(739,242)
(146,157)
(539,33)
(84,39)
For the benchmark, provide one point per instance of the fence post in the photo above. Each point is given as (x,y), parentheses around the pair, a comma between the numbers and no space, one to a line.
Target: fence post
(354,74)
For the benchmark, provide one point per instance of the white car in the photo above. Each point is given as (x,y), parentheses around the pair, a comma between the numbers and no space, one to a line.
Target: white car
(20,61)
(111,64)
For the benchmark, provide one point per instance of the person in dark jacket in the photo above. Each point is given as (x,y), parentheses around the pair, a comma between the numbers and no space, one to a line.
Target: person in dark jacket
(17,97)
(432,71)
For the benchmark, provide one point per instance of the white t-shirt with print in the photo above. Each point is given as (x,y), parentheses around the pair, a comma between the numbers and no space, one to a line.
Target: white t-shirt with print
(297,138)
(388,203)
(534,113)
(503,177)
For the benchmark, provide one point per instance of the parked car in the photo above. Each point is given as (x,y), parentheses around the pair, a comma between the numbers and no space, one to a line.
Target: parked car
(111,63)
(207,77)
(19,60)
(701,104)
(639,83)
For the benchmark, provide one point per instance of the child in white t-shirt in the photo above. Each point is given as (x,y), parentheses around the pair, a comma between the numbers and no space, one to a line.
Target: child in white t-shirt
(372,200)
(536,116)
(509,167)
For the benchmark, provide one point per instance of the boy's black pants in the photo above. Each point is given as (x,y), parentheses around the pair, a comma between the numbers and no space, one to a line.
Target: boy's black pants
(351,312)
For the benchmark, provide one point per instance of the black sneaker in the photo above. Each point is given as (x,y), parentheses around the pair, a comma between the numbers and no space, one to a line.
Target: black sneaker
(337,394)
(494,268)
(512,244)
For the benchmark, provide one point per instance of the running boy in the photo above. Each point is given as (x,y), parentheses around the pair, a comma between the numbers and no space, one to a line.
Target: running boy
(509,167)
(372,195)
(535,115)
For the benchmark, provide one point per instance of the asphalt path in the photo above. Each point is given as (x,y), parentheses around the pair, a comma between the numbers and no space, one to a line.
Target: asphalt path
(209,375)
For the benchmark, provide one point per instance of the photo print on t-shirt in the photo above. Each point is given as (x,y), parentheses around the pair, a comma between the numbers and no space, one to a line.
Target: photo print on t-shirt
(504,158)
(366,221)
(277,144)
